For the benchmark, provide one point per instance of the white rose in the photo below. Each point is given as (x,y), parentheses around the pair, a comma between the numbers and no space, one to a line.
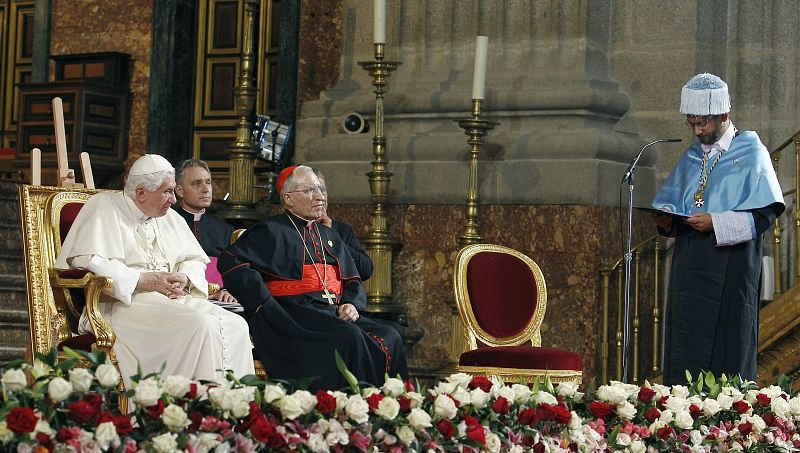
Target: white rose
(290,407)
(148,392)
(443,387)
(107,375)
(40,369)
(388,408)
(661,390)
(341,399)
(506,392)
(521,393)
(317,444)
(14,380)
(794,406)
(206,441)
(337,435)
(479,398)
(106,435)
(224,447)
(681,391)
(666,416)
(677,404)
(626,410)
(683,420)
(177,386)
(733,392)
(462,396)
(416,399)
(460,379)
(750,396)
(306,400)
(711,406)
(623,439)
(493,443)
(273,392)
(516,449)
(758,423)
(165,443)
(406,435)
(59,389)
(575,421)
(174,418)
(81,379)
(5,434)
(568,390)
(546,398)
(725,401)
(781,407)
(637,446)
(419,419)
(357,409)
(444,407)
(695,437)
(614,394)
(369,391)
(393,387)
(42,427)
(773,391)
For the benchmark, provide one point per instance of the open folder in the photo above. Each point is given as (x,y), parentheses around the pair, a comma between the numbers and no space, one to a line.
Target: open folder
(679,215)
(234,307)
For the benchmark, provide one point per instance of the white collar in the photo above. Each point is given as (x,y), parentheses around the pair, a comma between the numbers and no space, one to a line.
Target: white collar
(197,215)
(724,142)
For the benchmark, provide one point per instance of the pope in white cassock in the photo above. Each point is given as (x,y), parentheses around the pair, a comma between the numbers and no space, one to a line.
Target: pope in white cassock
(159,313)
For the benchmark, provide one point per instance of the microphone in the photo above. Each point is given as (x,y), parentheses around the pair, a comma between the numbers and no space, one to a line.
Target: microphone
(629,172)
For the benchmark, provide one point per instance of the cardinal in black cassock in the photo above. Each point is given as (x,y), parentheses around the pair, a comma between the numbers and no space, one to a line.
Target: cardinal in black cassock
(303,296)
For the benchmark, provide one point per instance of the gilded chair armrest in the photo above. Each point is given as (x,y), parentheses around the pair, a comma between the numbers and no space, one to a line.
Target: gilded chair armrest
(93,286)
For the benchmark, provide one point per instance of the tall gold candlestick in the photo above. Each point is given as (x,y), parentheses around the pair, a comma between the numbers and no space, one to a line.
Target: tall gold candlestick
(476,128)
(379,242)
(242,152)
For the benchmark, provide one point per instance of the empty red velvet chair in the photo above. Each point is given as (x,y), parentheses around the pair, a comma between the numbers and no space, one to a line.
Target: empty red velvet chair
(501,296)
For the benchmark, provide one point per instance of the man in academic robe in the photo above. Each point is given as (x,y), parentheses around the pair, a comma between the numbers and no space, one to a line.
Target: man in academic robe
(303,296)
(157,303)
(193,188)
(348,234)
(725,182)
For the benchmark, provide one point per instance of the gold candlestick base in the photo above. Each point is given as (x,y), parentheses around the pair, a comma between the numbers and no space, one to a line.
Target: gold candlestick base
(379,242)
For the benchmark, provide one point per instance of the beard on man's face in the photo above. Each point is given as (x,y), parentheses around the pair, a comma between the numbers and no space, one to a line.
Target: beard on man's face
(711,137)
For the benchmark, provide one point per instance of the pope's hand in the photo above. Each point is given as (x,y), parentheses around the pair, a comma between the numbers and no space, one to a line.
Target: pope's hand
(166,283)
(347,312)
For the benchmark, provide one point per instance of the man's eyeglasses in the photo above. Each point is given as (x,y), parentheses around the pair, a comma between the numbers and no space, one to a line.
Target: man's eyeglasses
(310,190)
(694,121)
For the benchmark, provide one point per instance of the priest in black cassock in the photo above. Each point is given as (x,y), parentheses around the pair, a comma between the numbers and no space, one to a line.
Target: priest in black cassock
(303,296)
(194,192)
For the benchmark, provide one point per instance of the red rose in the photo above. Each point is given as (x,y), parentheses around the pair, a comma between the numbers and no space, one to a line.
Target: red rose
(599,409)
(475,431)
(646,395)
(123,424)
(562,414)
(409,385)
(44,441)
(652,414)
(527,416)
(745,428)
(741,407)
(665,432)
(326,403)
(482,382)
(64,434)
(197,417)
(769,419)
(763,400)
(446,429)
(695,411)
(405,404)
(500,405)
(155,410)
(21,420)
(261,429)
(663,400)
(94,399)
(192,393)
(373,401)
(82,411)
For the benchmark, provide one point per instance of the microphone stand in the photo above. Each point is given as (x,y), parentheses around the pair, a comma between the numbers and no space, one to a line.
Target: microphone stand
(626,323)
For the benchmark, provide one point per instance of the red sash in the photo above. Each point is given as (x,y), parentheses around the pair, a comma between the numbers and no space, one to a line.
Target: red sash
(310,282)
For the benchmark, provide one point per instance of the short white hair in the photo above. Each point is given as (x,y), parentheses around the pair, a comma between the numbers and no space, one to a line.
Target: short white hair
(290,182)
(149,182)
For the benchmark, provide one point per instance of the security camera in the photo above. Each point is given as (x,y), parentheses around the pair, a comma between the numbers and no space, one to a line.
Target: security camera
(354,123)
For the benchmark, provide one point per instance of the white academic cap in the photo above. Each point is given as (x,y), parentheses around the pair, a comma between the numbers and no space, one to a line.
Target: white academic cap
(705,94)
(149,164)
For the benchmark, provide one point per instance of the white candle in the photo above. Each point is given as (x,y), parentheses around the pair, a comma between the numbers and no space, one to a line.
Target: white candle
(36,167)
(479,71)
(380,22)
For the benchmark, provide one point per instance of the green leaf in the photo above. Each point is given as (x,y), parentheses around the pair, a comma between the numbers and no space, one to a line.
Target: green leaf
(67,364)
(689,377)
(612,436)
(349,377)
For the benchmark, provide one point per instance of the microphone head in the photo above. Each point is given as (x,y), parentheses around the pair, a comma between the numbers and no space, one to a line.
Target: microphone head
(674,140)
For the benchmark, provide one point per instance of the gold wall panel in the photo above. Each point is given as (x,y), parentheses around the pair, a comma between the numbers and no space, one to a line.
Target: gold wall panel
(17,26)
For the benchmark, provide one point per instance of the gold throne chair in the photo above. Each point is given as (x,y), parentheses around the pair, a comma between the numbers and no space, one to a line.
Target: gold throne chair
(501,297)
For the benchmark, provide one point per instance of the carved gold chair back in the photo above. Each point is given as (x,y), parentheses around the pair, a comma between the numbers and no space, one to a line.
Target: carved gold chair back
(260,370)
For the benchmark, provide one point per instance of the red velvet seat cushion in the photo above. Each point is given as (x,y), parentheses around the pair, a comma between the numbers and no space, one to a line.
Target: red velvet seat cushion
(79,342)
(502,292)
(68,213)
(76,274)
(523,357)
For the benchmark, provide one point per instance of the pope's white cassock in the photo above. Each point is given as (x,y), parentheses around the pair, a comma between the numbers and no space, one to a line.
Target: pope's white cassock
(112,237)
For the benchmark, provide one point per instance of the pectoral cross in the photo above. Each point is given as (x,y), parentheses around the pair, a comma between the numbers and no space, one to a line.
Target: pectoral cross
(331,298)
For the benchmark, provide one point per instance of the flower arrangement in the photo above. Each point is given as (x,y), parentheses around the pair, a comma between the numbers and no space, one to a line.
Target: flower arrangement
(50,406)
